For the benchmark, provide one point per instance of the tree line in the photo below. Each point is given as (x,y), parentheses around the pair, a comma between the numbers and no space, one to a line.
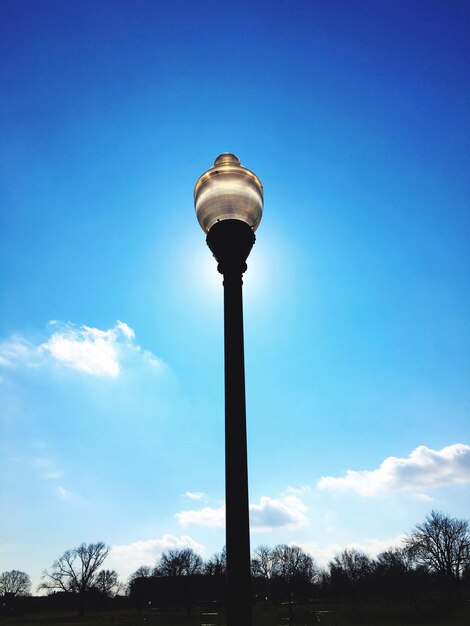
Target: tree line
(433,558)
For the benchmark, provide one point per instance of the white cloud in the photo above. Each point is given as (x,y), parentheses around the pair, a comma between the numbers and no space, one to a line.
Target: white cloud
(423,469)
(207,517)
(287,511)
(88,350)
(372,547)
(195,495)
(126,330)
(127,558)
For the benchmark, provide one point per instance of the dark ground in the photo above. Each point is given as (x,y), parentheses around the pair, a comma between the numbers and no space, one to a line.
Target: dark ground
(269,615)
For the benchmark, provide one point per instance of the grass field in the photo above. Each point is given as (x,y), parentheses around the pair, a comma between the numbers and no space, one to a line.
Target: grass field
(262,616)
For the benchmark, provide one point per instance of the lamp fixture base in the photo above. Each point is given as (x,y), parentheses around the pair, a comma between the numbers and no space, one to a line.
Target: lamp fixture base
(231,241)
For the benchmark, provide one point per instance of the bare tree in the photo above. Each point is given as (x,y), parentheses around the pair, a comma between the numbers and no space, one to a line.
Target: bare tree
(396,559)
(144,571)
(217,564)
(350,568)
(76,570)
(107,582)
(179,562)
(396,575)
(15,583)
(262,563)
(291,562)
(442,545)
(294,570)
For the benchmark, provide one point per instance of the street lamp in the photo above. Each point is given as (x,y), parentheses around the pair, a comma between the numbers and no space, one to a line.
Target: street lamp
(229,203)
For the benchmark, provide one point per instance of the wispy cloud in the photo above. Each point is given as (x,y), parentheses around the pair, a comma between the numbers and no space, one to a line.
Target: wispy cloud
(287,511)
(66,495)
(88,350)
(16,350)
(195,495)
(422,470)
(47,469)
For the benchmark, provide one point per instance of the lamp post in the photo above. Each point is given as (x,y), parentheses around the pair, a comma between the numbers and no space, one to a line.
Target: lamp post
(229,203)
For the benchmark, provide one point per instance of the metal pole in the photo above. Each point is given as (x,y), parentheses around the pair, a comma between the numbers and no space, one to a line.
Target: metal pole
(236,464)
(231,242)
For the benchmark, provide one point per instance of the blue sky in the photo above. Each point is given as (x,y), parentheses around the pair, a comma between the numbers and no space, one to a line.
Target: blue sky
(355,118)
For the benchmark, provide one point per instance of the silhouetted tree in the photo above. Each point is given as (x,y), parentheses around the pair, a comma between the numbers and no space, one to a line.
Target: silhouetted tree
(323,580)
(348,570)
(396,575)
(135,587)
(442,544)
(293,571)
(262,563)
(144,571)
(76,570)
(179,562)
(15,583)
(217,564)
(107,582)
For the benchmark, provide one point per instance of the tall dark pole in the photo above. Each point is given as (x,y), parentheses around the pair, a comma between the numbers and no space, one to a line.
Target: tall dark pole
(229,200)
(231,242)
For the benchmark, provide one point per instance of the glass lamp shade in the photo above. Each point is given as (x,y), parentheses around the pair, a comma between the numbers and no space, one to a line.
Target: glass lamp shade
(228,191)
